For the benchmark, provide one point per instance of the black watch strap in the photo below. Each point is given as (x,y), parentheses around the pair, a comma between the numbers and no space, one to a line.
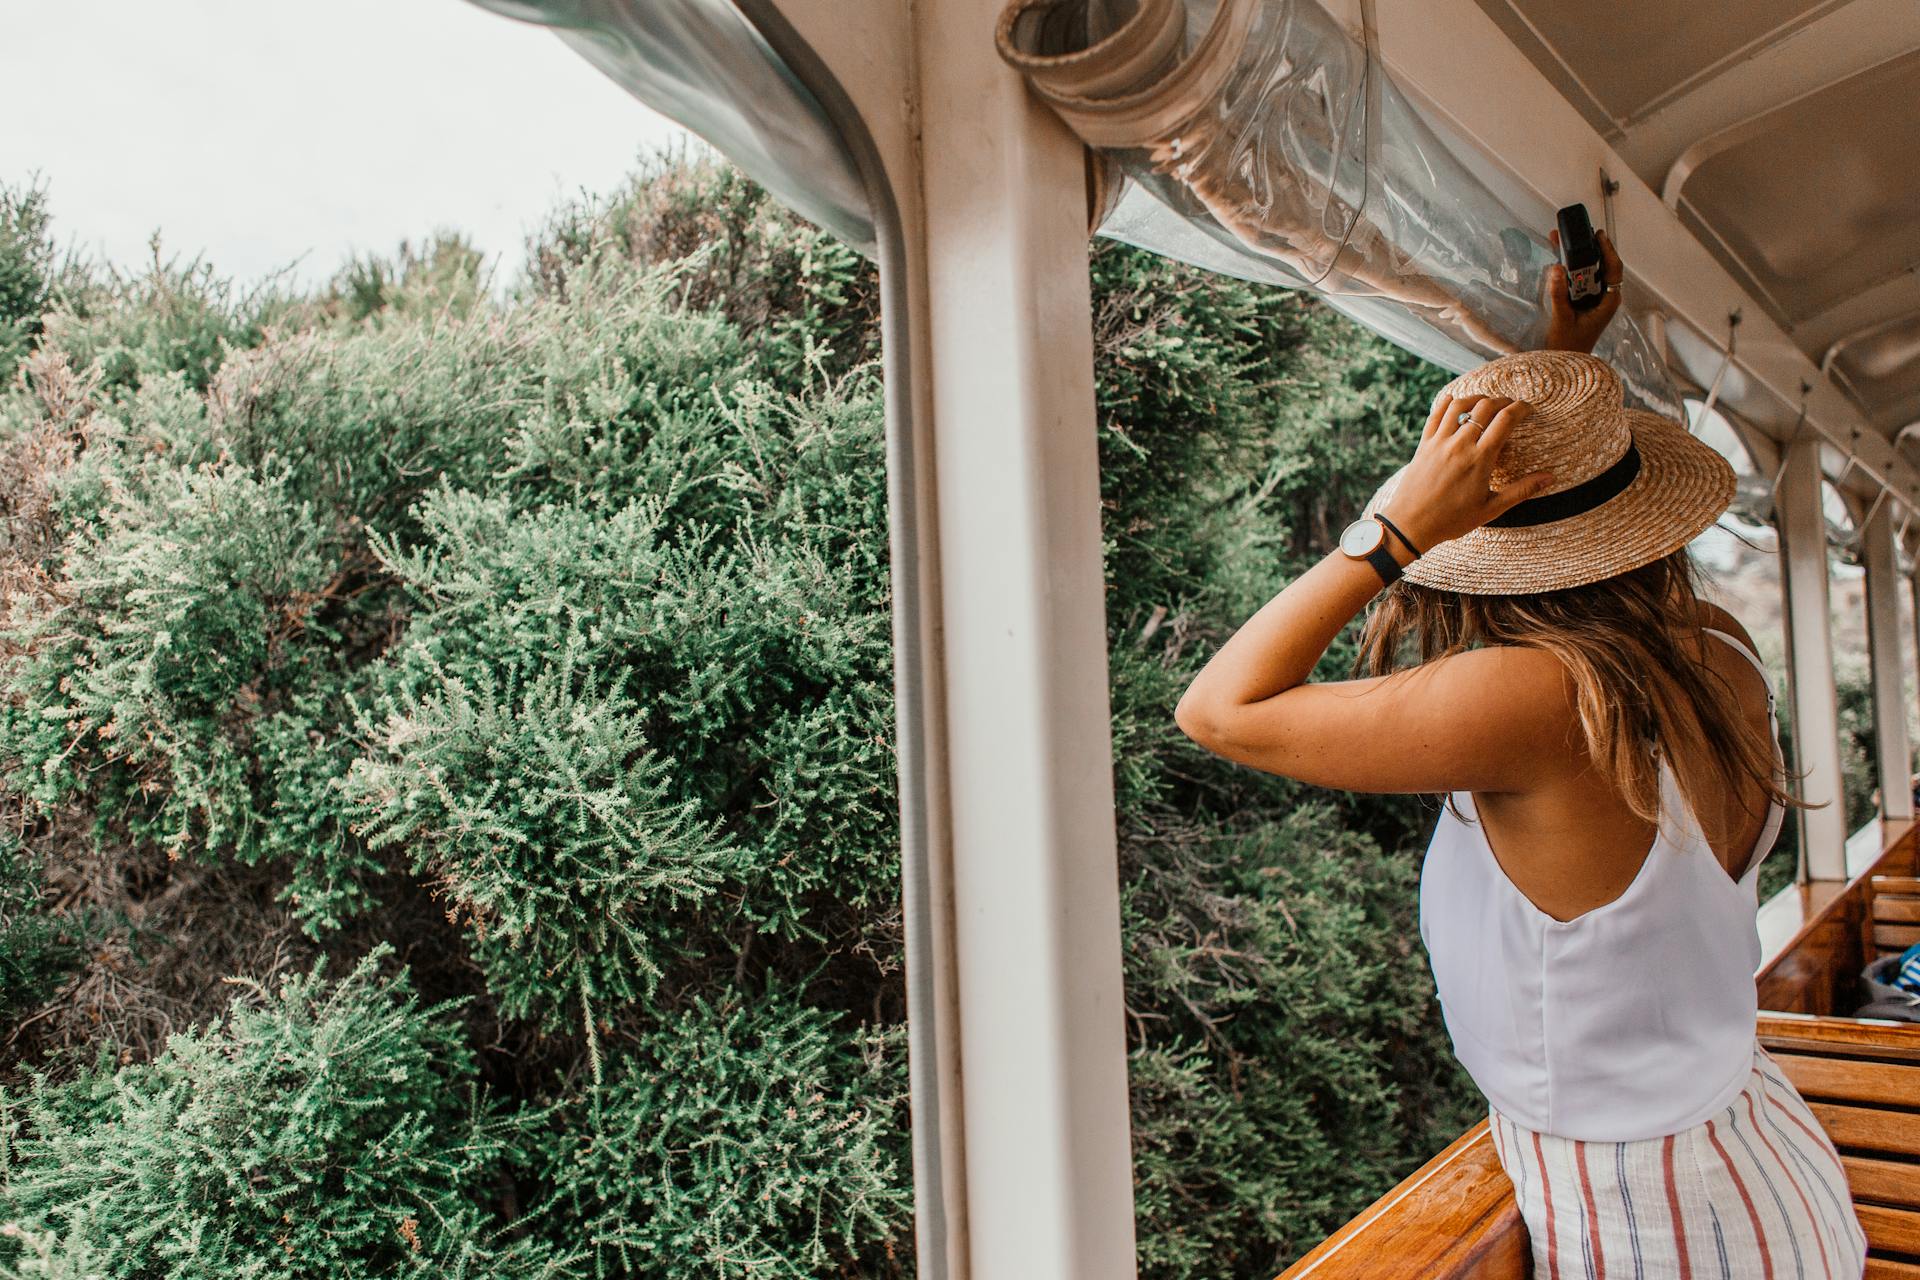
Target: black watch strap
(1394,529)
(1384,564)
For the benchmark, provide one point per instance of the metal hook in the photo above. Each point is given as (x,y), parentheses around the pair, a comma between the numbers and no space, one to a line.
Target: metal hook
(1853,460)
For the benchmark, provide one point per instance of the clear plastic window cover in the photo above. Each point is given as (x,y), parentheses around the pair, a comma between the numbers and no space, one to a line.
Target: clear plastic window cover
(703,65)
(1258,139)
(1261,140)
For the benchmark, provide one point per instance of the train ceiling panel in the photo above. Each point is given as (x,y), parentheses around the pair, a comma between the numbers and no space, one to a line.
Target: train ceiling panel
(1817,200)
(1579,46)
(1784,133)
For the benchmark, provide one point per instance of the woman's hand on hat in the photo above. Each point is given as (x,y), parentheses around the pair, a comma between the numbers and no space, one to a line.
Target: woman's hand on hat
(1447,490)
(1571,330)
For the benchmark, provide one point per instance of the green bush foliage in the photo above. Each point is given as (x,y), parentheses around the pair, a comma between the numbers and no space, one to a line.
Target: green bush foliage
(319,1129)
(804,301)
(50,1255)
(26,269)
(538,806)
(547,638)
(135,328)
(1859,769)
(777,1157)
(40,943)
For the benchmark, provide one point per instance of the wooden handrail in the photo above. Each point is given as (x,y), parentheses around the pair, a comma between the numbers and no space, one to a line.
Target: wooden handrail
(1454,1217)
(1815,968)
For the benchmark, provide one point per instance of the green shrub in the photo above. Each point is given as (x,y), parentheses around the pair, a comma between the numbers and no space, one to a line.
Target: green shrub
(444,274)
(536,804)
(749,1139)
(800,299)
(1859,770)
(39,944)
(1859,752)
(26,270)
(319,1129)
(544,399)
(52,1255)
(172,318)
(748,647)
(1288,1064)
(1294,1068)
(175,608)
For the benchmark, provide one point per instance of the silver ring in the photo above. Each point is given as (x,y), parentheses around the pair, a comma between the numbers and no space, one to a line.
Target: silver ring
(1468,420)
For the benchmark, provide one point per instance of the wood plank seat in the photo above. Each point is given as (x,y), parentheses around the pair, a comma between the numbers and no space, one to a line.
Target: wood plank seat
(1894,907)
(1862,1080)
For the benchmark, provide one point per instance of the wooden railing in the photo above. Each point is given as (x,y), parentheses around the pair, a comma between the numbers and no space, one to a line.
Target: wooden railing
(1815,967)
(1455,1217)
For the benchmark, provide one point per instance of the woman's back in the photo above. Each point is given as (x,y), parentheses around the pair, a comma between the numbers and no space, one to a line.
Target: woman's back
(1629,1017)
(1582,843)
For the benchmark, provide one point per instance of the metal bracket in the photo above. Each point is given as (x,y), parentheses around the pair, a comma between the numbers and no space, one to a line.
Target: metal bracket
(1773,489)
(1726,359)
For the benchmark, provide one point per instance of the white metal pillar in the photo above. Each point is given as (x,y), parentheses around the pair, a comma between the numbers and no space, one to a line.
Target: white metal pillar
(1816,707)
(1035,882)
(1885,643)
(1022,1158)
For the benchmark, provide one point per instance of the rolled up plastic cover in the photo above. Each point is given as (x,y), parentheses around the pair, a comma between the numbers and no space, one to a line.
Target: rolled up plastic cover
(1258,138)
(701,64)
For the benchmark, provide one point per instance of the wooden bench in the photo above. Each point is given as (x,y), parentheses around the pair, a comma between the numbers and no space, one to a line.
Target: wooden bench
(1894,908)
(1455,1217)
(1862,1079)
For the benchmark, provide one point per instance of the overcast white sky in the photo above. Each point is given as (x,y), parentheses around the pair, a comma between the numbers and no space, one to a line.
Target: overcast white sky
(273,132)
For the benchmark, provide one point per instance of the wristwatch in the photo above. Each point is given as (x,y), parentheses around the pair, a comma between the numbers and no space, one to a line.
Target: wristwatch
(1366,539)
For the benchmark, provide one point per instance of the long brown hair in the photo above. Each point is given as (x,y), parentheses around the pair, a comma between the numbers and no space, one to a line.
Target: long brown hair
(1639,695)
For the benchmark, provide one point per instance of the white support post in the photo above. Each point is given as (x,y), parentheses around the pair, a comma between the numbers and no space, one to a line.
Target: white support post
(1816,708)
(1006,322)
(1885,643)
(1010,886)
(1022,1150)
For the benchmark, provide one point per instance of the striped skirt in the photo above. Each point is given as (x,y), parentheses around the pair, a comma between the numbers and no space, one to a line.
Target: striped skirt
(1757,1191)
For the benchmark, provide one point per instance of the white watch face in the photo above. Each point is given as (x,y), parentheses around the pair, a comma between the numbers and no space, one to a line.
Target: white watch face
(1361,537)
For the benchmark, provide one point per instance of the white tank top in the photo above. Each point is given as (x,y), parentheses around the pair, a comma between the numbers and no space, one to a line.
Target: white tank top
(1632,1020)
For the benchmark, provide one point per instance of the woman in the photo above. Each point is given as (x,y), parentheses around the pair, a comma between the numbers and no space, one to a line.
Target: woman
(1605,740)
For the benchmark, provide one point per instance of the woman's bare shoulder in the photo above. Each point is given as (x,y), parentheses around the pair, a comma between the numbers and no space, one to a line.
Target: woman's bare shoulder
(1712,615)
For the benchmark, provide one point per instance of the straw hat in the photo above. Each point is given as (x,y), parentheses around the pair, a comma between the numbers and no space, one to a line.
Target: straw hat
(1629,486)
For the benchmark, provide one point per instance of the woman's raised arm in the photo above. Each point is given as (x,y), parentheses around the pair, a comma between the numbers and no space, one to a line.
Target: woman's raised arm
(1436,728)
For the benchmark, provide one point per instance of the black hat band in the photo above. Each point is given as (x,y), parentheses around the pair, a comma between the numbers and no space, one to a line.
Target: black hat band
(1578,500)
